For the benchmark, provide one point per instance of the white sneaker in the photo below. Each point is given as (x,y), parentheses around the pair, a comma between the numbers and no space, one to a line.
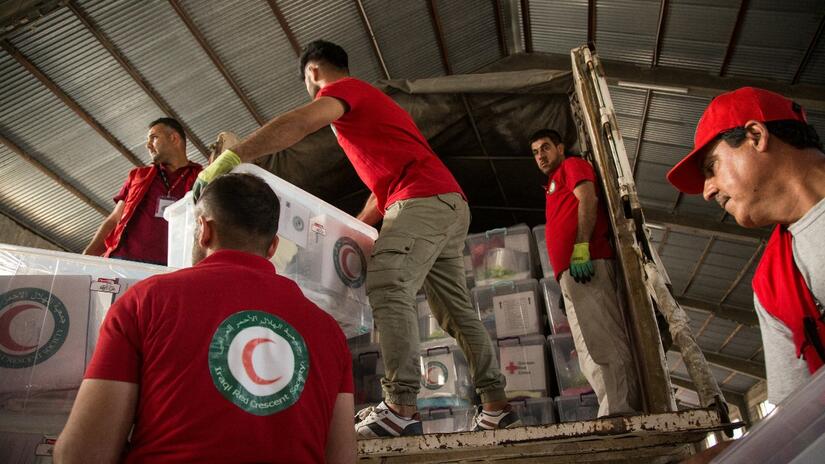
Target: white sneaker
(381,422)
(504,419)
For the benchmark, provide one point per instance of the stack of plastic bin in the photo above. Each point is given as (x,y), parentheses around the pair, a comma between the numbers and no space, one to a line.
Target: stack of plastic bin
(523,363)
(557,319)
(367,370)
(428,327)
(501,254)
(541,247)
(445,376)
(446,420)
(535,411)
(52,305)
(323,249)
(574,390)
(509,308)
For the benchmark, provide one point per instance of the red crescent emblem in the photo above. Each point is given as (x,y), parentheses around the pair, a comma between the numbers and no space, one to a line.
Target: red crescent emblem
(248,350)
(344,255)
(5,328)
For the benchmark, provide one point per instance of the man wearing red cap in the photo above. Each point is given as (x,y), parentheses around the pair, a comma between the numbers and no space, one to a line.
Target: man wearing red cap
(757,156)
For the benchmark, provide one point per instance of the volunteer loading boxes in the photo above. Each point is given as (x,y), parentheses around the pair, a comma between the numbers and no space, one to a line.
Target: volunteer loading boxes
(425,222)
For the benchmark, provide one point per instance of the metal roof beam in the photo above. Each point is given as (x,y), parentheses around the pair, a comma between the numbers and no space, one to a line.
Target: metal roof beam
(734,36)
(375,48)
(809,52)
(743,272)
(25,224)
(591,23)
(698,265)
(502,41)
(698,225)
(439,36)
(193,29)
(744,316)
(641,134)
(660,32)
(528,28)
(92,27)
(738,365)
(69,101)
(290,35)
(53,175)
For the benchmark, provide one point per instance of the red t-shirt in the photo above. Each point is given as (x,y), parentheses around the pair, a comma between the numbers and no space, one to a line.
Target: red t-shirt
(234,364)
(382,142)
(145,239)
(562,210)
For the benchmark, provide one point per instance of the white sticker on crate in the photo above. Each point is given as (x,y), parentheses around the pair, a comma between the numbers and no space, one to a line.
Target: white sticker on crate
(524,367)
(516,314)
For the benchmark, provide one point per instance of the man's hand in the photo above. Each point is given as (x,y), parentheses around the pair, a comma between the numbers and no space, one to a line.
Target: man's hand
(580,266)
(222,165)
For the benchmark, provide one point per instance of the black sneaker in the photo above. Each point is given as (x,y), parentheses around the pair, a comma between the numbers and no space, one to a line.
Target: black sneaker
(381,422)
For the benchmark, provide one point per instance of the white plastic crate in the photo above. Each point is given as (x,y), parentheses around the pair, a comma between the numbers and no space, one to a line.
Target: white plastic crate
(541,248)
(428,327)
(26,448)
(501,254)
(323,249)
(577,407)
(535,411)
(446,420)
(551,292)
(523,362)
(367,371)
(569,376)
(51,307)
(509,308)
(445,376)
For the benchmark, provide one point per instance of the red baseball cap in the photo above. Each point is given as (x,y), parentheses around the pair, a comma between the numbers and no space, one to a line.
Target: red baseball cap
(728,111)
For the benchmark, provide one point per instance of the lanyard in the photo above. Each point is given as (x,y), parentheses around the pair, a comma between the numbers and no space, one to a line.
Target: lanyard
(165,180)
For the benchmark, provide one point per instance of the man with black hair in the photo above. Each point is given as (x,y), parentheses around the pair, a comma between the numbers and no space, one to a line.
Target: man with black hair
(578,245)
(425,222)
(213,372)
(135,229)
(757,156)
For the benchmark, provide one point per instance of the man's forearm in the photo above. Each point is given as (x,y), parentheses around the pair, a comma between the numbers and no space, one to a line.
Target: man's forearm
(370,214)
(98,244)
(276,135)
(587,219)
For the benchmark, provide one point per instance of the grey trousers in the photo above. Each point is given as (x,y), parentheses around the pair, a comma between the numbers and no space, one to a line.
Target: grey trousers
(421,244)
(599,334)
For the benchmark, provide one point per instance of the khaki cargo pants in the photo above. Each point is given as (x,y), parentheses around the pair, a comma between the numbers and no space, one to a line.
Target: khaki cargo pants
(421,244)
(601,340)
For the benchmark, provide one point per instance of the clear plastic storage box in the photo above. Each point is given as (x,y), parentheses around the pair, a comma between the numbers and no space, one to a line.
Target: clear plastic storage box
(445,376)
(569,376)
(523,362)
(541,248)
(551,292)
(428,327)
(577,407)
(535,411)
(447,420)
(323,249)
(501,254)
(367,370)
(508,308)
(51,307)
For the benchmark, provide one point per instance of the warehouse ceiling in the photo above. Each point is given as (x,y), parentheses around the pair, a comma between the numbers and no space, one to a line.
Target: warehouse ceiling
(79,81)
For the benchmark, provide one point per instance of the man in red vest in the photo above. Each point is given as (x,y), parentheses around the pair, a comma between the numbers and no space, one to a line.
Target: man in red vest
(757,156)
(136,230)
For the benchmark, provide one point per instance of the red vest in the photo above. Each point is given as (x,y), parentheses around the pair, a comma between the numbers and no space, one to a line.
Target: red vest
(782,291)
(140,180)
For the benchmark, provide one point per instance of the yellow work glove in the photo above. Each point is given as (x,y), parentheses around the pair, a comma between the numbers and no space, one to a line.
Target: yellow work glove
(222,164)
(580,266)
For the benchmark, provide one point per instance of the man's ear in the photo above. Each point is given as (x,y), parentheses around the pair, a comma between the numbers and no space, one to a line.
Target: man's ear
(270,252)
(206,232)
(758,135)
(560,147)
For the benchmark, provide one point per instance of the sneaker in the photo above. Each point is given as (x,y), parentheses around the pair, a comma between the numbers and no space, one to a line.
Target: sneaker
(381,422)
(504,419)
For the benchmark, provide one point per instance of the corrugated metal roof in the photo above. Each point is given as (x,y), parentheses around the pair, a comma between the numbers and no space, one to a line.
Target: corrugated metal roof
(406,36)
(696,33)
(558,26)
(336,21)
(615,40)
(774,38)
(814,72)
(260,59)
(471,39)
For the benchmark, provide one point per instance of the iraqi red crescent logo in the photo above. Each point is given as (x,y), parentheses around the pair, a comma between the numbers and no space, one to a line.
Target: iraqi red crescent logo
(34,323)
(350,263)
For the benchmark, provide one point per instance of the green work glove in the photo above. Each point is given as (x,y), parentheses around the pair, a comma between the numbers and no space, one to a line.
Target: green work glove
(222,164)
(580,266)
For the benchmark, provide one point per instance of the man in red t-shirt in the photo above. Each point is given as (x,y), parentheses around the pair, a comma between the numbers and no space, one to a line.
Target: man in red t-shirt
(135,229)
(222,362)
(578,244)
(425,222)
